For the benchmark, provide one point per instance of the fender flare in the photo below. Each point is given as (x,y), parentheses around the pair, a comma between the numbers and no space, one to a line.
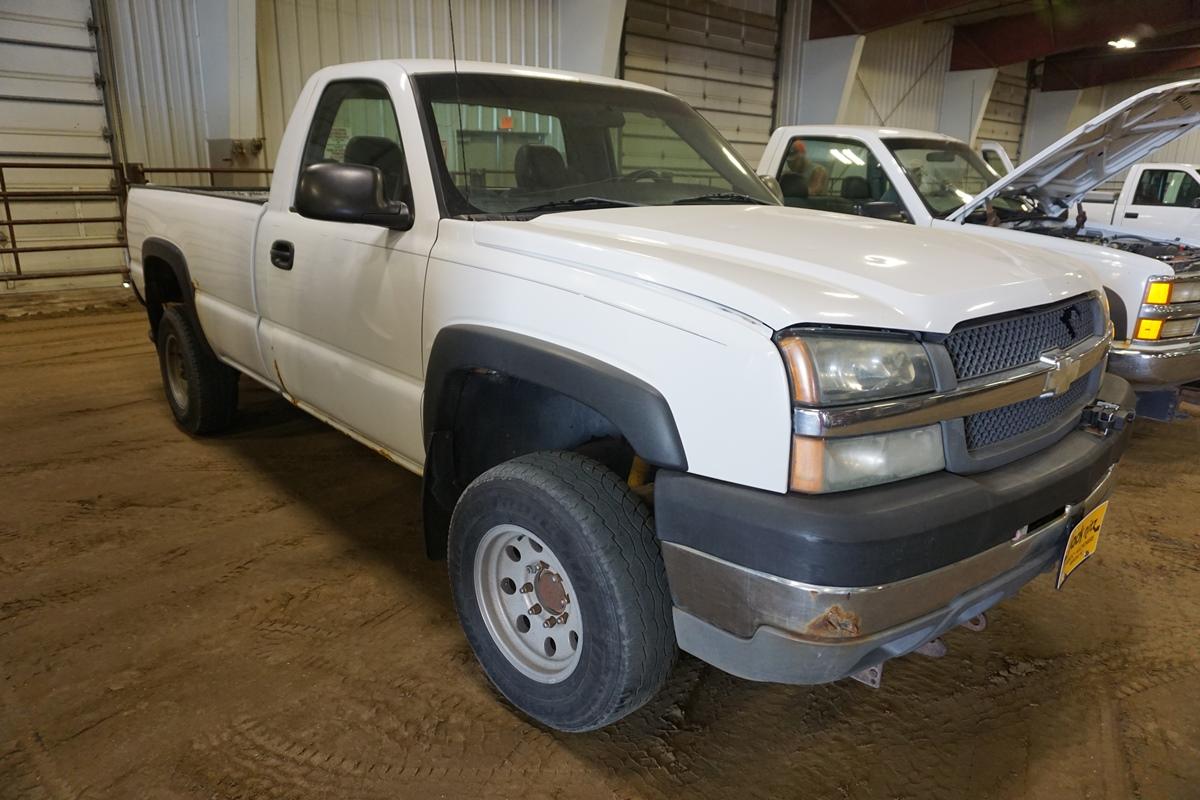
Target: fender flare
(173,257)
(1117,313)
(637,409)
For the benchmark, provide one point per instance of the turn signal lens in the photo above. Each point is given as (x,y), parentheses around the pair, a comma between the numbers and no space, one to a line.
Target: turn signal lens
(1158,293)
(837,465)
(1176,328)
(1149,329)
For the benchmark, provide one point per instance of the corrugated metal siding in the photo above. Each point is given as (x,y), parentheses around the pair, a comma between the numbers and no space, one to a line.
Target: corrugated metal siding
(901,76)
(156,49)
(1004,116)
(298,37)
(793,33)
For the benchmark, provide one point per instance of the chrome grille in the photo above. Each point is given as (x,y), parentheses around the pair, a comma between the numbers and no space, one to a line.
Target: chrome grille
(983,348)
(994,426)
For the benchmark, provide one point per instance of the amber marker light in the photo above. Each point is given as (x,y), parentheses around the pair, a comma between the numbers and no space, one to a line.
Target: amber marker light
(800,369)
(1149,329)
(1158,293)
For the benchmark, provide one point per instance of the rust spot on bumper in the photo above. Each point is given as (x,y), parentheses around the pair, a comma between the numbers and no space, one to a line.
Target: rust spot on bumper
(835,623)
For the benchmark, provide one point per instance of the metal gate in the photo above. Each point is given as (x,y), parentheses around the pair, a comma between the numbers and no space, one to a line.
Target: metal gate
(719,57)
(1004,115)
(60,185)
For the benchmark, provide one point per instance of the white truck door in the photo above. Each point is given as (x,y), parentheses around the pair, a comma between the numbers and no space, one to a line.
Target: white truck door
(1165,202)
(341,321)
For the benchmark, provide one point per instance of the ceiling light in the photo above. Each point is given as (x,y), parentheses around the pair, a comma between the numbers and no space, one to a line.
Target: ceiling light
(1124,43)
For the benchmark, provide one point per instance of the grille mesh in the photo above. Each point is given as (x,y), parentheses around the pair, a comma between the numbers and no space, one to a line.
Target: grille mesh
(989,427)
(1014,341)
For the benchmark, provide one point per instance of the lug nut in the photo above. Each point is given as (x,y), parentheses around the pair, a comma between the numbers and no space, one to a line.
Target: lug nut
(535,609)
(550,622)
(526,588)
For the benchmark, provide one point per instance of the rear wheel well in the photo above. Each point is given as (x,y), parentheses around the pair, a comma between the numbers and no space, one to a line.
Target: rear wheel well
(495,418)
(162,287)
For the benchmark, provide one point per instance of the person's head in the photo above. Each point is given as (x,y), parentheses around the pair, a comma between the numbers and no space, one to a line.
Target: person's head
(797,158)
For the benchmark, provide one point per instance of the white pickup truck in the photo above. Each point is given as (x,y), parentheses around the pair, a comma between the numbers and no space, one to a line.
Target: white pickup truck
(932,180)
(651,407)
(1158,200)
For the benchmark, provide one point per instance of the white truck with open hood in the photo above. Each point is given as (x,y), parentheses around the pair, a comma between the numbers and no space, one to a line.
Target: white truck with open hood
(933,180)
(651,407)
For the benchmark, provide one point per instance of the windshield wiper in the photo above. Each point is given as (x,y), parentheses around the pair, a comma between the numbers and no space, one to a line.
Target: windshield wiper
(720,197)
(575,204)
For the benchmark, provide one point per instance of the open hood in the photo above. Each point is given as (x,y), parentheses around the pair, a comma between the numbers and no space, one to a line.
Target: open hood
(1115,140)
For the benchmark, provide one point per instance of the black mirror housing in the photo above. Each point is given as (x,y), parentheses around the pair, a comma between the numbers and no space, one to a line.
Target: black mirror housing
(349,193)
(884,209)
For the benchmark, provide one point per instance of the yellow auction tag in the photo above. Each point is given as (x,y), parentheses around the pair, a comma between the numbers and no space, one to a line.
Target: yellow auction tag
(1082,542)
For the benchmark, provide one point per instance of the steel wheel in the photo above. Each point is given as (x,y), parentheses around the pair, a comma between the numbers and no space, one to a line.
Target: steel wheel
(177,381)
(528,603)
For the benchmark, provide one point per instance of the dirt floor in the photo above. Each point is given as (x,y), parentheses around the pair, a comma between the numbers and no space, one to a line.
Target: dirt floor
(252,616)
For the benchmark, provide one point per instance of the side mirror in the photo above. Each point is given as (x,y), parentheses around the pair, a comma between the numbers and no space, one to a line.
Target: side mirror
(773,184)
(349,193)
(1196,203)
(884,209)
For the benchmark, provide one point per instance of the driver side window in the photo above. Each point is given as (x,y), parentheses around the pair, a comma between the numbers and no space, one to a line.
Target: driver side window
(1166,187)
(355,123)
(833,175)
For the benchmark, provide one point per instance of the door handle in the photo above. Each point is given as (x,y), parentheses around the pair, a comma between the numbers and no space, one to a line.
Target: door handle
(282,254)
(1131,215)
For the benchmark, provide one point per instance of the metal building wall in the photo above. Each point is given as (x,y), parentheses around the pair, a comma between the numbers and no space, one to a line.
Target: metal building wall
(158,77)
(298,37)
(901,76)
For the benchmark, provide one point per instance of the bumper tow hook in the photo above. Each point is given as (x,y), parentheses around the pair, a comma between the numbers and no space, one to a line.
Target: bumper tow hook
(976,623)
(934,648)
(1102,417)
(871,676)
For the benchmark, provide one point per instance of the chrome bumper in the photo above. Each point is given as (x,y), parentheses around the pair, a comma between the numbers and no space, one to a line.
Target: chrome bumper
(763,627)
(1147,365)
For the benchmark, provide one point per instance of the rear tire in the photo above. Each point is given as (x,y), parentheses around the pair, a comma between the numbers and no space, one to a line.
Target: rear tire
(581,544)
(201,391)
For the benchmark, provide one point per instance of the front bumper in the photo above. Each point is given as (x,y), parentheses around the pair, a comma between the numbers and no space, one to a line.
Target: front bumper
(867,576)
(1156,366)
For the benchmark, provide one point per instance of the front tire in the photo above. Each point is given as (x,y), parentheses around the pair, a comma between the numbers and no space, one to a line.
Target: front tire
(201,391)
(561,590)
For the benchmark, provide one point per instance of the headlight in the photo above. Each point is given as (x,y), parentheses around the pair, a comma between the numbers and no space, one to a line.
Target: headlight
(836,465)
(1162,292)
(830,369)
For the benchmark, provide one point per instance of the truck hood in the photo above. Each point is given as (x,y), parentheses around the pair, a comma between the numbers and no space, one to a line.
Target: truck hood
(784,266)
(1115,140)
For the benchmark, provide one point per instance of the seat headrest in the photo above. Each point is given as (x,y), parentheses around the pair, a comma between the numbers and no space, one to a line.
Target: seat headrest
(793,184)
(374,151)
(540,167)
(855,187)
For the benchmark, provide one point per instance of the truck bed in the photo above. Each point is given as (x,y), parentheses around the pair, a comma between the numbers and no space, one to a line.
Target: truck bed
(214,230)
(248,195)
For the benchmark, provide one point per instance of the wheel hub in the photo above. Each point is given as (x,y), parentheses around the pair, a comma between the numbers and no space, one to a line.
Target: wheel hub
(549,590)
(526,600)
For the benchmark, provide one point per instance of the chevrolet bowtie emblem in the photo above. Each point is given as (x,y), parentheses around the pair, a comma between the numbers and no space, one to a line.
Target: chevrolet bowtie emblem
(1064,370)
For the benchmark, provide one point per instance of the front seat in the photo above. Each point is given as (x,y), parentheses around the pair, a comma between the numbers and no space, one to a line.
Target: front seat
(540,168)
(855,187)
(382,152)
(794,186)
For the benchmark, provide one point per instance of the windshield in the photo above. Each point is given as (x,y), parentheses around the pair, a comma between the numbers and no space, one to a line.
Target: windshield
(528,144)
(949,174)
